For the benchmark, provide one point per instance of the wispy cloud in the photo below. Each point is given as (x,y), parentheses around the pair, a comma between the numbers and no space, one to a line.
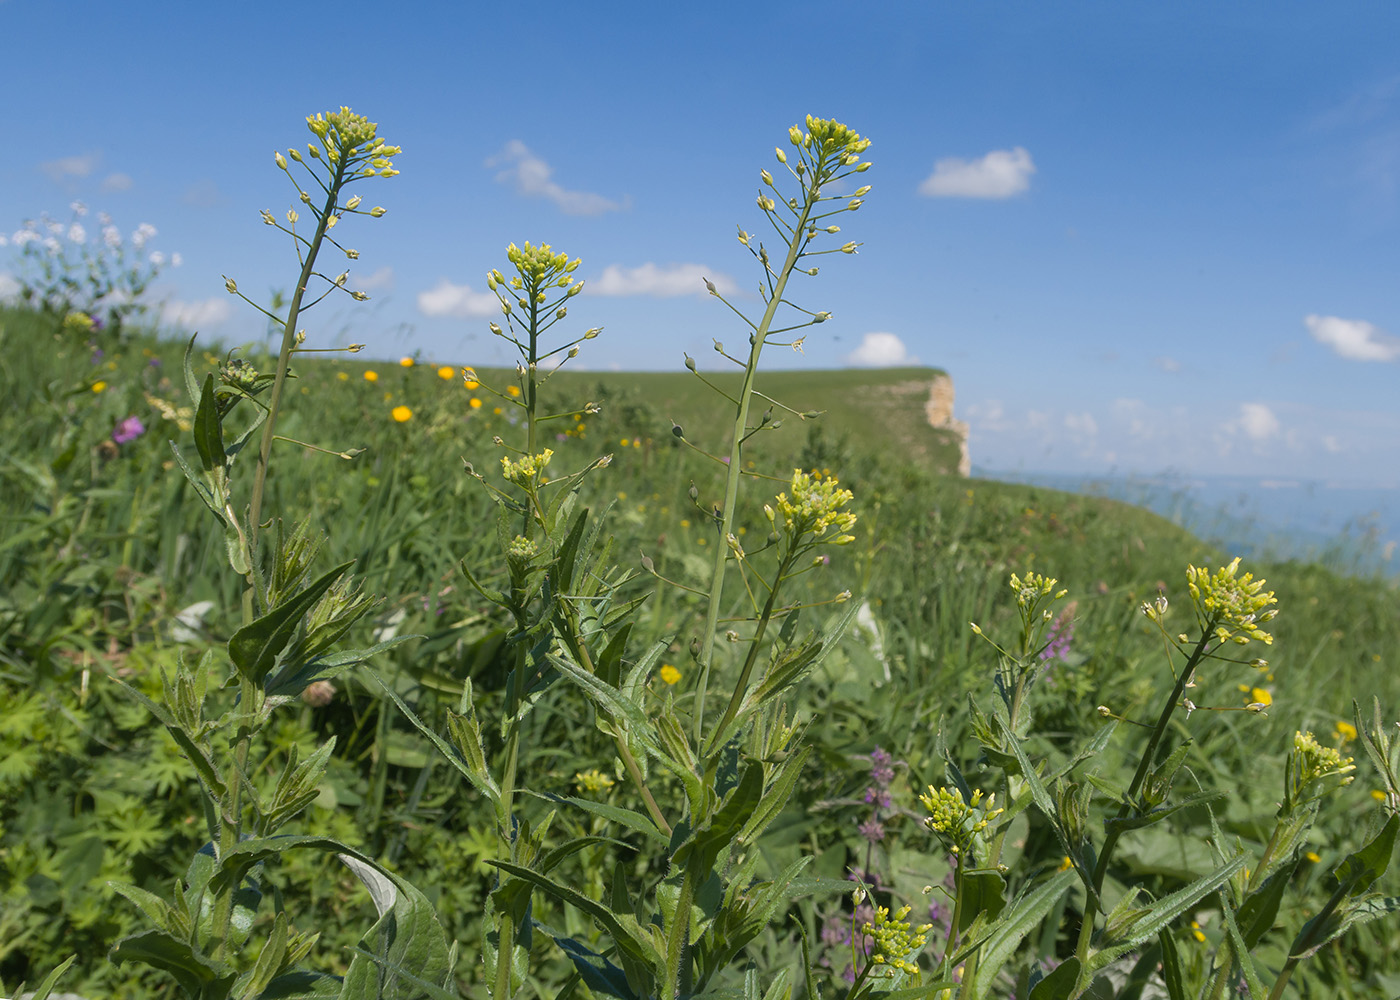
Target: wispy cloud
(68,168)
(203,193)
(198,315)
(380,280)
(457,301)
(1002,173)
(116,182)
(532,178)
(1165,364)
(881,350)
(1353,339)
(659,282)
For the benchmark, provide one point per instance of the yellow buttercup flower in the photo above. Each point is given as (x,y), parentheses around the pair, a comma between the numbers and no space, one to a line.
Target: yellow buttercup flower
(371,376)
(406,362)
(669,674)
(513,391)
(99,386)
(401,414)
(475,403)
(1346,732)
(446,372)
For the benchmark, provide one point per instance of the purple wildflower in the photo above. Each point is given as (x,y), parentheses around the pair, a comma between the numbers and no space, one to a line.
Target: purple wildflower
(128,430)
(879,798)
(872,830)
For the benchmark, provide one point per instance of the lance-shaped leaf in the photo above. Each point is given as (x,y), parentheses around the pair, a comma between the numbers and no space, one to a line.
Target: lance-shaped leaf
(624,928)
(404,956)
(1011,928)
(199,976)
(254,647)
(208,429)
(1154,918)
(597,973)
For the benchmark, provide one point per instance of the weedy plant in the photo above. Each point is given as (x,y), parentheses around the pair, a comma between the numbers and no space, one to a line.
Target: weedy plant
(1229,611)
(92,285)
(293,621)
(573,618)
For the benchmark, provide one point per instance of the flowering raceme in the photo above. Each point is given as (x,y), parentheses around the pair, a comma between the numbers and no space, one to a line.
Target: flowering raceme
(1229,606)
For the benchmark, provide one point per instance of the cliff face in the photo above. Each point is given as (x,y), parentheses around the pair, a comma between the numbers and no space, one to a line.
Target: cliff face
(939,409)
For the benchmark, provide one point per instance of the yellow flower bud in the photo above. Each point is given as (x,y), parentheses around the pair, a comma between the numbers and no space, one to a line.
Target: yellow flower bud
(795,135)
(353,203)
(292,215)
(376,211)
(575,289)
(782,157)
(861,192)
(767,177)
(231,285)
(314,150)
(280,161)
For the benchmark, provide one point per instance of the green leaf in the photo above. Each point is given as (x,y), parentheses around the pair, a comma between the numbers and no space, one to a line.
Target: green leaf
(208,429)
(597,973)
(46,986)
(294,678)
(254,647)
(1257,913)
(615,814)
(1360,870)
(405,954)
(624,928)
(983,893)
(1126,823)
(199,976)
(1011,928)
(1171,966)
(1241,949)
(1060,983)
(1160,914)
(471,759)
(303,985)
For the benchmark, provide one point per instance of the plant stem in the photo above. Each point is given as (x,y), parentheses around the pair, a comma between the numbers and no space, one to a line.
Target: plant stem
(1091,906)
(741,419)
(289,334)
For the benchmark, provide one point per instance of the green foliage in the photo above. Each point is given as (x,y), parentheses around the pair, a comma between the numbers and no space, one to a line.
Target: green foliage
(645,738)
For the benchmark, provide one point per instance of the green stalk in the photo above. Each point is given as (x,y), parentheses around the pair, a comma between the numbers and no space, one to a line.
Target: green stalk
(741,687)
(284,356)
(1086,927)
(741,420)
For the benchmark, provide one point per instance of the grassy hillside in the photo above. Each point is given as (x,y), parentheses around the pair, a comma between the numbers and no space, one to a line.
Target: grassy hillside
(103,544)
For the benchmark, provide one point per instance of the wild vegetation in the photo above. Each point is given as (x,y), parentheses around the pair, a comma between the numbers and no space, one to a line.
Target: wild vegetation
(326,677)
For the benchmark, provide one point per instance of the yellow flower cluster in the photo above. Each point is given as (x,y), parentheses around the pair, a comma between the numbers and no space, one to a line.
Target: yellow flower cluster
(525,471)
(1032,587)
(895,940)
(956,821)
(1232,607)
(538,268)
(346,135)
(594,781)
(830,136)
(815,507)
(1313,770)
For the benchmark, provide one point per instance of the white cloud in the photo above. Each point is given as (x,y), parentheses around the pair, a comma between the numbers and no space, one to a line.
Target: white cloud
(62,169)
(458,301)
(382,279)
(1258,421)
(1002,173)
(196,315)
(531,177)
(117,182)
(1082,423)
(881,350)
(1166,364)
(659,282)
(1353,339)
(9,287)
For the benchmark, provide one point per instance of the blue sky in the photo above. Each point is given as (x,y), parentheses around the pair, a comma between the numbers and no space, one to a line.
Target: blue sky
(1139,237)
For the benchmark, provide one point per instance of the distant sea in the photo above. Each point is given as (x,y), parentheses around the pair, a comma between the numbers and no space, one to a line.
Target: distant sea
(1352,528)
